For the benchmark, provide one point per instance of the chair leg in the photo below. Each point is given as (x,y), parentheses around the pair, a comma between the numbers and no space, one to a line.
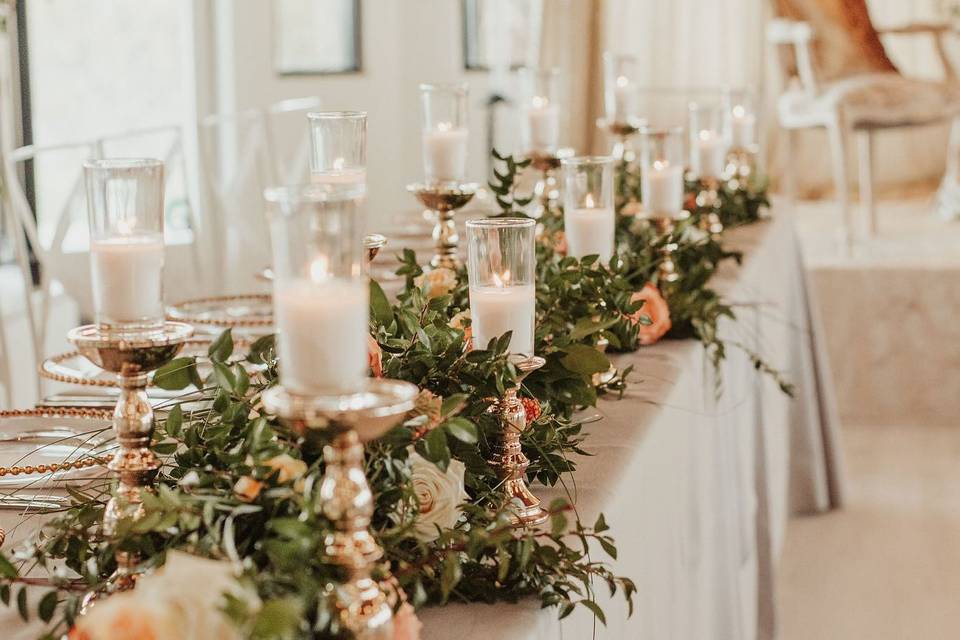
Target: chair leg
(838,153)
(865,151)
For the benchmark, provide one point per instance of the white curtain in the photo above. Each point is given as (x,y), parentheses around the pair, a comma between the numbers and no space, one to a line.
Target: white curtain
(714,43)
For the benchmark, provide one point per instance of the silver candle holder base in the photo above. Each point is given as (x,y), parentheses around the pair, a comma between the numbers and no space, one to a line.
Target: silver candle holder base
(443,200)
(508,458)
(351,420)
(131,356)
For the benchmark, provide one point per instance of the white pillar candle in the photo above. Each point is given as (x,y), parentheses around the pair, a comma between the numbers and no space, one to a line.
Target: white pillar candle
(544,123)
(623,100)
(661,186)
(322,327)
(445,153)
(742,126)
(589,231)
(340,175)
(494,310)
(127,277)
(710,155)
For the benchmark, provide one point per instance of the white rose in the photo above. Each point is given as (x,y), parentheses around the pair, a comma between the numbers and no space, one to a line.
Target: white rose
(437,282)
(439,495)
(180,601)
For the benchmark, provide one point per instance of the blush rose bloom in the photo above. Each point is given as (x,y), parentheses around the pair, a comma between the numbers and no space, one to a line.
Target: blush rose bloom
(406,624)
(247,488)
(655,308)
(180,601)
(439,495)
(287,467)
(374,357)
(437,282)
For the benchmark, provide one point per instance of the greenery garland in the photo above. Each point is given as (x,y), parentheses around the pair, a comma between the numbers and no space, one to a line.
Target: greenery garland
(238,485)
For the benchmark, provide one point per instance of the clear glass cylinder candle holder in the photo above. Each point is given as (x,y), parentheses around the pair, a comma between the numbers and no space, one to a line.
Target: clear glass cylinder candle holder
(320,295)
(741,118)
(661,171)
(500,269)
(588,208)
(338,147)
(620,91)
(709,141)
(445,132)
(540,110)
(125,206)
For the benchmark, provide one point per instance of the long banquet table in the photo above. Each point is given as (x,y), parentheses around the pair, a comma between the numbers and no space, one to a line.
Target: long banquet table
(697,488)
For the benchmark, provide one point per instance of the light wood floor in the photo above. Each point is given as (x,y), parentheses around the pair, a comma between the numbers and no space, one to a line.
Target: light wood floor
(888,565)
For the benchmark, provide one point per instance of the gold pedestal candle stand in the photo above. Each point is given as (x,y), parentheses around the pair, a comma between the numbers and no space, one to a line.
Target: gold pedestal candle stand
(740,164)
(546,193)
(347,500)
(131,356)
(622,131)
(443,200)
(708,201)
(508,458)
(667,269)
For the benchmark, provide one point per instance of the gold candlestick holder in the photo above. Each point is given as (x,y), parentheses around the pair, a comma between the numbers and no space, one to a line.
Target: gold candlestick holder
(708,202)
(443,200)
(508,458)
(131,356)
(664,226)
(546,192)
(347,501)
(741,164)
(622,132)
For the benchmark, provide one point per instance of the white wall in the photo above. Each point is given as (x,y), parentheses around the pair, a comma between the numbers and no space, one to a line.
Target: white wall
(405,42)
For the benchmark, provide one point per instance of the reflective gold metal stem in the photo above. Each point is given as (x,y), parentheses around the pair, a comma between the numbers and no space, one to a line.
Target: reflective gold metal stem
(508,457)
(131,356)
(709,198)
(667,270)
(348,503)
(444,200)
(546,193)
(346,498)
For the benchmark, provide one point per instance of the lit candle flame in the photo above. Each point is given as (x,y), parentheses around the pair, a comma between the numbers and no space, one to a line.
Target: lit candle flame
(338,164)
(320,269)
(739,111)
(705,135)
(502,281)
(444,126)
(660,165)
(623,81)
(125,228)
(540,102)
(588,201)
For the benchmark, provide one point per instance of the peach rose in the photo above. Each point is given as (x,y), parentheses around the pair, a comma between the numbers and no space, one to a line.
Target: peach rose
(560,243)
(457,322)
(374,357)
(655,308)
(247,488)
(287,467)
(437,282)
(406,624)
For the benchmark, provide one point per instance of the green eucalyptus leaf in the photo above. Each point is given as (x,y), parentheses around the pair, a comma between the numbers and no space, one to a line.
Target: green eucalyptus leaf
(222,348)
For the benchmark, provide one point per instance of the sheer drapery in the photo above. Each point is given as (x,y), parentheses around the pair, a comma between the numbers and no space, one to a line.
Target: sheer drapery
(715,43)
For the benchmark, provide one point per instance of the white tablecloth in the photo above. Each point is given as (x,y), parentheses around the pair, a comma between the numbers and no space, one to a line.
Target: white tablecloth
(697,490)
